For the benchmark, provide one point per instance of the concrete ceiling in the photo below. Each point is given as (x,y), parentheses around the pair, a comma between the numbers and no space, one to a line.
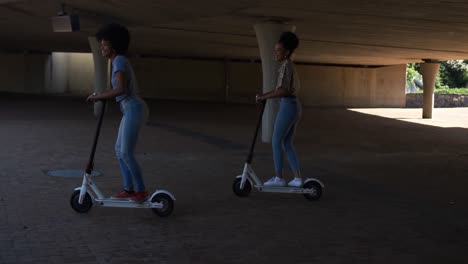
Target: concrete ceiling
(357,32)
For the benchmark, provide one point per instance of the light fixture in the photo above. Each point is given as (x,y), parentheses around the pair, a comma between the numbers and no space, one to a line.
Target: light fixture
(64,22)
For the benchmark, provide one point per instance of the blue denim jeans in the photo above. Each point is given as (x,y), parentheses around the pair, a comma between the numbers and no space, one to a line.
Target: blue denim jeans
(135,113)
(283,133)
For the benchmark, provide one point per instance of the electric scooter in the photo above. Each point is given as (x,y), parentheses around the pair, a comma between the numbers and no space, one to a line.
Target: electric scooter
(242,186)
(83,198)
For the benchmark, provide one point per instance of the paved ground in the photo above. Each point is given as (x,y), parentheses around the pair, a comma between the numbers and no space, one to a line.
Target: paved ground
(396,192)
(441,117)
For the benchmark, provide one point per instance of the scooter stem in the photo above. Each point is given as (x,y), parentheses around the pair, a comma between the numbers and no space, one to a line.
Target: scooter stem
(254,140)
(90,165)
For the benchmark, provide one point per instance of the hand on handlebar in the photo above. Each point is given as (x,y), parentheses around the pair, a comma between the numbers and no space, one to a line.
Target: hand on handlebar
(93,98)
(259,98)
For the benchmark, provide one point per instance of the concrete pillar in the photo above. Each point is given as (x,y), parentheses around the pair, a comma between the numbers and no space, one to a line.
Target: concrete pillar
(48,74)
(267,36)
(227,80)
(429,72)
(101,71)
(59,73)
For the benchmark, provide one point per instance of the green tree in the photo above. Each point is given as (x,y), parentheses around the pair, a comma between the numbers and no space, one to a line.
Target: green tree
(412,71)
(454,73)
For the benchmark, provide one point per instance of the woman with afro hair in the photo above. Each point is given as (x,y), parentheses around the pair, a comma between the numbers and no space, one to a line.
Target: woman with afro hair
(287,86)
(114,40)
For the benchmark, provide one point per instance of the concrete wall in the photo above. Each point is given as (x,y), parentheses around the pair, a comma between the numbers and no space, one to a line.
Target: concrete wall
(80,74)
(390,87)
(180,79)
(321,86)
(244,81)
(58,73)
(352,87)
(22,73)
(207,80)
(70,73)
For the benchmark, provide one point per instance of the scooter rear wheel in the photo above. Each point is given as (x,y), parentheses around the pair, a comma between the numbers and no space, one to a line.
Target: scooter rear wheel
(241,192)
(168,204)
(81,208)
(316,190)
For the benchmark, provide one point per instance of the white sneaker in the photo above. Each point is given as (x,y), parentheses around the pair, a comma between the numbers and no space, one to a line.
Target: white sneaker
(296,182)
(275,181)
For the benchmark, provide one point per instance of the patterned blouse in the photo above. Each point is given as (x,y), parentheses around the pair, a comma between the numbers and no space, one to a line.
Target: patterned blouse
(287,78)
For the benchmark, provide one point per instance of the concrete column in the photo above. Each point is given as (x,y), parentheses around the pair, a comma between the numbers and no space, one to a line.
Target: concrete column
(48,74)
(59,73)
(429,72)
(101,71)
(226,80)
(267,36)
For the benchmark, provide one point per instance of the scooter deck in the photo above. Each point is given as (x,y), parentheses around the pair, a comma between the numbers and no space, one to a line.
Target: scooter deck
(112,202)
(285,189)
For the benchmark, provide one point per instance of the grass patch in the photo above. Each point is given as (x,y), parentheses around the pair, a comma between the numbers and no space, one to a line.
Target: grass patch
(463,91)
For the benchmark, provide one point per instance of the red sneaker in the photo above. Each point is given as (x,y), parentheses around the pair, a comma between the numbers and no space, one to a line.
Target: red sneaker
(139,197)
(123,194)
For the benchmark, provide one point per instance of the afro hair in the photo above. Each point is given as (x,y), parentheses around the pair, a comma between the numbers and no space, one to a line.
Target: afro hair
(117,35)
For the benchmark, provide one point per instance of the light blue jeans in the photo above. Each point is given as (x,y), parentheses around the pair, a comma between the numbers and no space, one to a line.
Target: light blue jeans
(283,134)
(135,114)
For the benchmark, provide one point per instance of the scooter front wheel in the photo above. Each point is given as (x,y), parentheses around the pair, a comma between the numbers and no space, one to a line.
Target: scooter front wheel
(81,208)
(167,202)
(237,189)
(316,190)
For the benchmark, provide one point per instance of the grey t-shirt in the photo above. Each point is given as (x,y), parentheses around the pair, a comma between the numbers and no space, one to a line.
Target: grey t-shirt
(121,64)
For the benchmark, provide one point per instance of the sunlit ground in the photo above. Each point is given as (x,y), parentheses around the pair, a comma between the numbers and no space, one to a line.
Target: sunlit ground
(441,117)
